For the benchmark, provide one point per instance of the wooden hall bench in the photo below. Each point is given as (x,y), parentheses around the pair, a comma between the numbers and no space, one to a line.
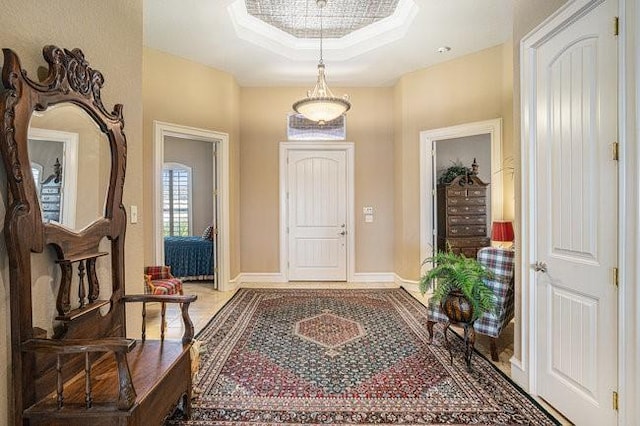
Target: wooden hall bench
(76,366)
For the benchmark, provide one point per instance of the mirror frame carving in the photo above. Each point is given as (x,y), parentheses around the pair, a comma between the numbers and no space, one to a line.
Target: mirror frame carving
(70,79)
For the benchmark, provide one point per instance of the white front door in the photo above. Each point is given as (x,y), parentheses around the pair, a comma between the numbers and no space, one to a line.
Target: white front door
(575,214)
(317,212)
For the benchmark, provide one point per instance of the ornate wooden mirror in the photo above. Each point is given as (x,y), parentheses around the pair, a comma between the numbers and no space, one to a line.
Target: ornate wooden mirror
(67,99)
(65,224)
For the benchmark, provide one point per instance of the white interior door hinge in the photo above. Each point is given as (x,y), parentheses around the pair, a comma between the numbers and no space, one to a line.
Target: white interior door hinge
(616,26)
(615,151)
(615,400)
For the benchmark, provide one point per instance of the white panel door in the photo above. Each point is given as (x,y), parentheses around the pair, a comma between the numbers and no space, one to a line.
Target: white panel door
(317,212)
(576,216)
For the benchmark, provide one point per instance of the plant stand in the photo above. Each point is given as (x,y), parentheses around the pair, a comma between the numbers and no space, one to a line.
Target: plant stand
(469,341)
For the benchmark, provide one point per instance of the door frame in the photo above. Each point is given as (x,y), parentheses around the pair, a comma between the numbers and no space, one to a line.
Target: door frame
(491,127)
(629,187)
(69,168)
(349,149)
(162,130)
(524,370)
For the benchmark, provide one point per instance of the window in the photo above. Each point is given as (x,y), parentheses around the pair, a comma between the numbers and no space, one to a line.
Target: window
(37,169)
(176,197)
(300,128)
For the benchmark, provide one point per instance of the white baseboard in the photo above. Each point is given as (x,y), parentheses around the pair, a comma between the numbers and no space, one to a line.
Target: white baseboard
(276,277)
(373,277)
(260,277)
(518,374)
(409,285)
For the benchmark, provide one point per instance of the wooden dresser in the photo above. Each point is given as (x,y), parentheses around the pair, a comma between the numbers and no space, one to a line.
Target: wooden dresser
(462,216)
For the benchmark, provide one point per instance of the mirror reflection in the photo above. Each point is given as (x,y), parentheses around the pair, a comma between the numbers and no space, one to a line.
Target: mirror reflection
(71,164)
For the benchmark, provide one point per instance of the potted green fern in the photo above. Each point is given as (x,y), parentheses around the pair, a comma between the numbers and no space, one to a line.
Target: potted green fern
(460,288)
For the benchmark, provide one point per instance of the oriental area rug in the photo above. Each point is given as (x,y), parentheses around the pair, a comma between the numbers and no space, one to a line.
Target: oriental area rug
(304,357)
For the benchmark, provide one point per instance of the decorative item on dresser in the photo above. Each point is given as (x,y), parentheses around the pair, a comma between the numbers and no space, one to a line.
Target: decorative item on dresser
(72,363)
(462,215)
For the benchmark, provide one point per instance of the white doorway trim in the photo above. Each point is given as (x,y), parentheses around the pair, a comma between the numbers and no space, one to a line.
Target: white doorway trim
(629,238)
(491,127)
(69,169)
(348,147)
(162,130)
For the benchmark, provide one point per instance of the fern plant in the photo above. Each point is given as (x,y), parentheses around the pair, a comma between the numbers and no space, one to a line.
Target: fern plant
(457,272)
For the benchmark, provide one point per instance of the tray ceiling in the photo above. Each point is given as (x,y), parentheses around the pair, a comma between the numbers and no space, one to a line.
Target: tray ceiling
(229,35)
(301,18)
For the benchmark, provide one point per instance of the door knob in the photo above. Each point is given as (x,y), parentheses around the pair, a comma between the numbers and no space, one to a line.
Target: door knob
(539,266)
(342,233)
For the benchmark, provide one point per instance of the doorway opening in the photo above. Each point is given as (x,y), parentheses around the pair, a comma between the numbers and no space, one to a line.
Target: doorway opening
(54,153)
(450,157)
(192,202)
(447,141)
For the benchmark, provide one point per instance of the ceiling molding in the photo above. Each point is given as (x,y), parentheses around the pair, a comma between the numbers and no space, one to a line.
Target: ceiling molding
(370,37)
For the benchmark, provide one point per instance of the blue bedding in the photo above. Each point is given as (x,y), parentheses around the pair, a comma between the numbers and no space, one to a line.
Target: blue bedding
(189,256)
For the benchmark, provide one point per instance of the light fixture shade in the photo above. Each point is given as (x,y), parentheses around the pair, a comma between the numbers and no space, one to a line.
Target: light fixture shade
(321,110)
(321,105)
(502,231)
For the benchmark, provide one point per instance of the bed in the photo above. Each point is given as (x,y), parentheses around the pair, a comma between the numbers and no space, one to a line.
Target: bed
(190,258)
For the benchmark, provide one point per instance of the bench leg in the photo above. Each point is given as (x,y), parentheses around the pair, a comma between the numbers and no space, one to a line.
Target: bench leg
(494,350)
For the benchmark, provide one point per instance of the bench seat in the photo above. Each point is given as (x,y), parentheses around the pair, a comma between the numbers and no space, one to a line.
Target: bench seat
(170,364)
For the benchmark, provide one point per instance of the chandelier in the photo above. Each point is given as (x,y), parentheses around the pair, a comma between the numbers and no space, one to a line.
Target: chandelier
(321,105)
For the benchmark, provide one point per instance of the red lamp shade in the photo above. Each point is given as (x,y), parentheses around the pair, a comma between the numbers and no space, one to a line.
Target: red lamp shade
(502,231)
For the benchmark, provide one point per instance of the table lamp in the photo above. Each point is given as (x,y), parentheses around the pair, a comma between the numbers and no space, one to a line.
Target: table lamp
(502,232)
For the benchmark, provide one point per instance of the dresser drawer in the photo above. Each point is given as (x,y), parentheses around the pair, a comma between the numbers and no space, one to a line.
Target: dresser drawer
(465,192)
(51,206)
(466,201)
(50,198)
(468,242)
(464,230)
(456,210)
(469,252)
(479,219)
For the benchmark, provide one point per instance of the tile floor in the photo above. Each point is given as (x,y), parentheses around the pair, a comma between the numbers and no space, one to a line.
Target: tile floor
(210,301)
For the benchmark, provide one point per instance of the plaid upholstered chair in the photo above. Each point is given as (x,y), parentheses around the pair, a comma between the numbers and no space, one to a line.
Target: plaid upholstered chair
(501,263)
(158,280)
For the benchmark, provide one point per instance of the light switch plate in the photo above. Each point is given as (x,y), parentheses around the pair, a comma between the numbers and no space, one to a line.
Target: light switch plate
(134,214)
(368,218)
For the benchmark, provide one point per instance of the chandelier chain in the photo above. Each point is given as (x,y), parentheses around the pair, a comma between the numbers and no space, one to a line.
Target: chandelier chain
(321,60)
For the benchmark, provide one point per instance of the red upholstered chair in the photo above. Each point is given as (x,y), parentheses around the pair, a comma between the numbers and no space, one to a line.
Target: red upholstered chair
(158,280)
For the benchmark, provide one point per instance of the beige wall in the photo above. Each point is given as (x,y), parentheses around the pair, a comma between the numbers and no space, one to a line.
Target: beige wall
(526,16)
(475,87)
(111,38)
(263,113)
(179,91)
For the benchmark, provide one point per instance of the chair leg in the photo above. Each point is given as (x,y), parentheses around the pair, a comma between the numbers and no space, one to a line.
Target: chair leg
(494,350)
(430,330)
(447,343)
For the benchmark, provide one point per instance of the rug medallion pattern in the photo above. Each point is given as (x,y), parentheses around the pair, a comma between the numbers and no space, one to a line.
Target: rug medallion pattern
(343,357)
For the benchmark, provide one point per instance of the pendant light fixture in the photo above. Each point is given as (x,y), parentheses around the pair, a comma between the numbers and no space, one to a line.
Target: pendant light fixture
(321,105)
